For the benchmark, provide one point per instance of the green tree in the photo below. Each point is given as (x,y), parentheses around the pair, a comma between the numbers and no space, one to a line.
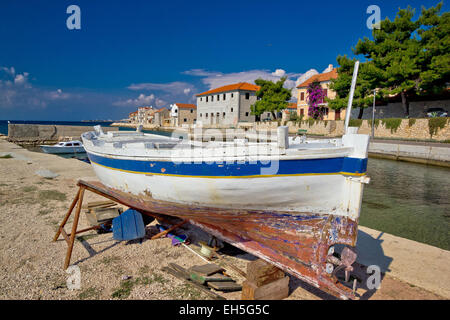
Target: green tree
(365,83)
(409,57)
(395,55)
(272,97)
(435,54)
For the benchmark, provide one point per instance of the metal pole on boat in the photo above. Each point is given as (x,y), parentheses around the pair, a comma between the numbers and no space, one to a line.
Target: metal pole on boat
(350,97)
(373,114)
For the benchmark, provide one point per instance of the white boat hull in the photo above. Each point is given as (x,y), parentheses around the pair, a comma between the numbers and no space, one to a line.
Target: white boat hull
(317,180)
(61,150)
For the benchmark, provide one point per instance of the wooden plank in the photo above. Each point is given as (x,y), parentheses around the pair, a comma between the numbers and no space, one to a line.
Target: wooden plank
(180,276)
(224,286)
(103,203)
(260,272)
(217,277)
(229,265)
(156,236)
(275,290)
(206,269)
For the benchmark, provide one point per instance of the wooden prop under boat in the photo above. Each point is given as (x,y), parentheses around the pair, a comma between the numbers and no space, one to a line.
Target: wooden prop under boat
(297,243)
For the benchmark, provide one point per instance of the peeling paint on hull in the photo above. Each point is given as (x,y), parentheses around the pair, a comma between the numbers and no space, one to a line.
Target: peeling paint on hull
(298,243)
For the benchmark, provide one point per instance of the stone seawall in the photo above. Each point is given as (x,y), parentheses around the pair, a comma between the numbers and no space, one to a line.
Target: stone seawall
(435,129)
(426,154)
(35,134)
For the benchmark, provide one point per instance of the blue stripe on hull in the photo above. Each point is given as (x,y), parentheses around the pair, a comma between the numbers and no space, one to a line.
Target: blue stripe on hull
(286,167)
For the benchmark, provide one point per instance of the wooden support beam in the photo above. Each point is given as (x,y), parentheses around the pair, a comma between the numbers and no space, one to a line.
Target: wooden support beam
(66,237)
(74,228)
(163,233)
(69,212)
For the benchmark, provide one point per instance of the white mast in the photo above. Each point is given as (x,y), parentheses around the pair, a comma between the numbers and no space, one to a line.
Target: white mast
(350,98)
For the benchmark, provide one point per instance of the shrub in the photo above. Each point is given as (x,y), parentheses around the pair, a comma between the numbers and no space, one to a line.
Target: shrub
(392,123)
(434,124)
(355,123)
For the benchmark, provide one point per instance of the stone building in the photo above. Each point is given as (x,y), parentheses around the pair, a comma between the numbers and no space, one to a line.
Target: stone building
(183,113)
(144,115)
(132,117)
(160,115)
(291,109)
(324,79)
(227,105)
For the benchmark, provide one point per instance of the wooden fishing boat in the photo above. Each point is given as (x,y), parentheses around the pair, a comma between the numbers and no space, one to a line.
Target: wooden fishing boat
(288,200)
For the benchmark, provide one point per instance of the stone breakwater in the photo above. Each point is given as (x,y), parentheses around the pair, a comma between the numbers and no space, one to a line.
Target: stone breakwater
(36,134)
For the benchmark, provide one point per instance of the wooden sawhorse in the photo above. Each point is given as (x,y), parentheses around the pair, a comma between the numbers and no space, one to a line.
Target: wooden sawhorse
(78,201)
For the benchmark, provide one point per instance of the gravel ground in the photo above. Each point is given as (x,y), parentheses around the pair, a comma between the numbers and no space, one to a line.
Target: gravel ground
(31,265)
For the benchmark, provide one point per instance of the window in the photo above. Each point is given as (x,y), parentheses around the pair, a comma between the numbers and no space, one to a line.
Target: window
(302,111)
(246,114)
(192,110)
(231,109)
(224,96)
(206,99)
(232,95)
(302,96)
(76,144)
(325,94)
(218,114)
(247,95)
(206,115)
(268,114)
(68,145)
(200,115)
(176,110)
(212,98)
(224,114)
(218,97)
(200,98)
(212,114)
(184,120)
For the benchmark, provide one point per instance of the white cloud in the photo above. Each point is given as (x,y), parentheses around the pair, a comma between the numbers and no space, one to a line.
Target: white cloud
(187,90)
(279,73)
(171,87)
(141,100)
(58,95)
(215,79)
(21,79)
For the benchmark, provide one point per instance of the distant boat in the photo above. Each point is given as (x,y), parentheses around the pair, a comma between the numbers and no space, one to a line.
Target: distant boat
(73,146)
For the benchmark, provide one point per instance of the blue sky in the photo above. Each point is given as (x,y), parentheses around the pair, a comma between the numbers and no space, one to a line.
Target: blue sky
(132,53)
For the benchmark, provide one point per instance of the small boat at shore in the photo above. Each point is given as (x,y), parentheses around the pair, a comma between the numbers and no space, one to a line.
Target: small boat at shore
(73,146)
(289,200)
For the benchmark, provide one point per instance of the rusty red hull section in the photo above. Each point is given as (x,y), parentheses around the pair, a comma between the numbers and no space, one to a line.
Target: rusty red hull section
(298,243)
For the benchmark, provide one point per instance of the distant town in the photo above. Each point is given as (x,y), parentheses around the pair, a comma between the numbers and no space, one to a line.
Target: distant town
(231,104)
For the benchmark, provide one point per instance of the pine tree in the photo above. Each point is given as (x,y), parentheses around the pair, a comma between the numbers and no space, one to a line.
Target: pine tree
(273,97)
(365,83)
(410,57)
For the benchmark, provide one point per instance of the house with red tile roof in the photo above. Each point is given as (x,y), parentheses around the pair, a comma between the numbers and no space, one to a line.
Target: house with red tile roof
(324,79)
(227,105)
(182,114)
(132,117)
